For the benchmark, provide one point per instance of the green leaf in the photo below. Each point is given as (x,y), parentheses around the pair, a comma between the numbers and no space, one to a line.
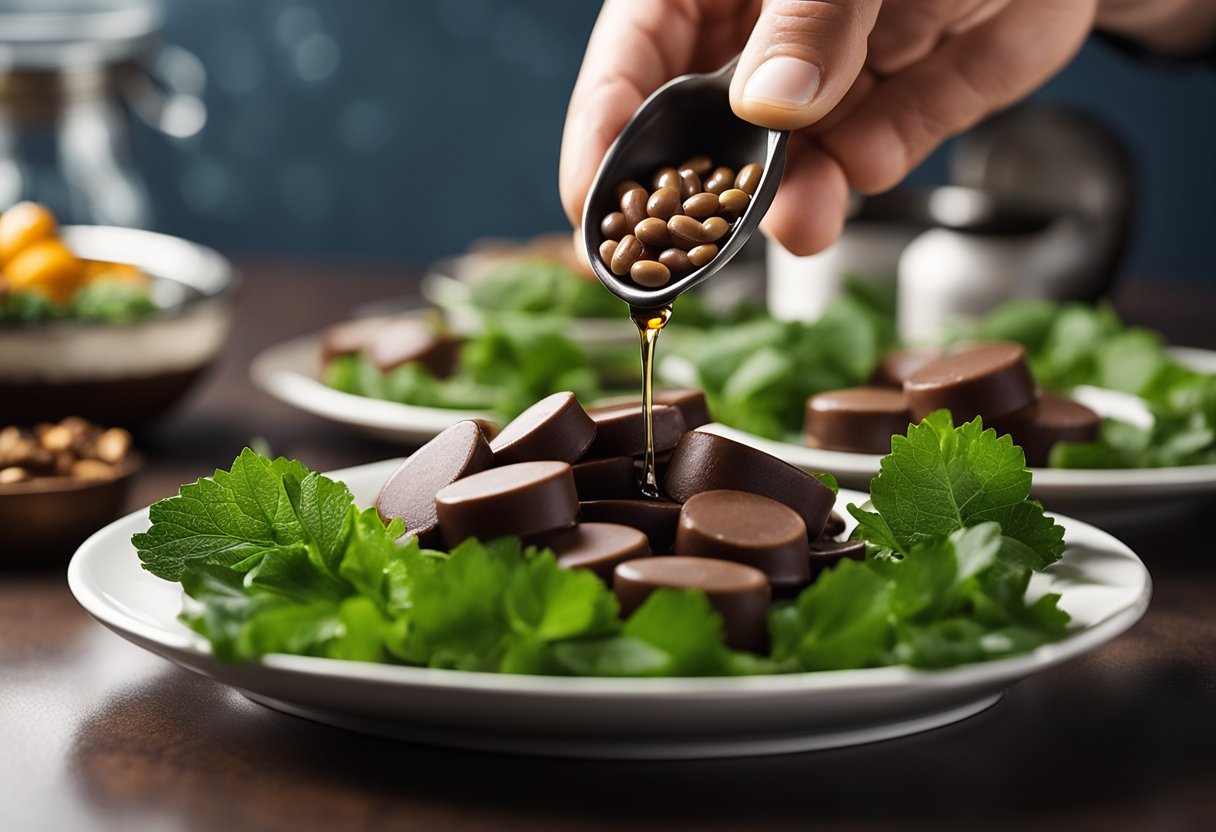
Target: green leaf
(682,624)
(551,603)
(939,479)
(841,621)
(231,518)
(613,656)
(326,514)
(458,611)
(371,550)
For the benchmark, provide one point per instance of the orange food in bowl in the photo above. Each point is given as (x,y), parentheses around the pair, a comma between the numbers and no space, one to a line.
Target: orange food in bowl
(105,270)
(23,225)
(47,267)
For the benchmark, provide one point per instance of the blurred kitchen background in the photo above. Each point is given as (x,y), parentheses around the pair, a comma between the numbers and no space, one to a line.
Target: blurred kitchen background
(400,131)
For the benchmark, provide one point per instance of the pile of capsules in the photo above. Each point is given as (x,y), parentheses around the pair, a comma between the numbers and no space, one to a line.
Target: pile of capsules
(676,225)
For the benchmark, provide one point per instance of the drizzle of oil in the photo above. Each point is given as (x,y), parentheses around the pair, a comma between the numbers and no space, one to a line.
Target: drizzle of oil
(650,323)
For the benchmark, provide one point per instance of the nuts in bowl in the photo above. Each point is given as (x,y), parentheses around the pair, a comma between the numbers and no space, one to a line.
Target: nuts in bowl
(111,324)
(59,483)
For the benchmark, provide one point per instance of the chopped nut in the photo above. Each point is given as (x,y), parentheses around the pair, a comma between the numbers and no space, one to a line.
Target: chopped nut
(92,469)
(11,445)
(112,446)
(56,439)
(64,460)
(8,476)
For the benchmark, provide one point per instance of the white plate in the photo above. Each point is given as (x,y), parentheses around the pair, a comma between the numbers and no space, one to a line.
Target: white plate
(1113,498)
(1102,584)
(288,371)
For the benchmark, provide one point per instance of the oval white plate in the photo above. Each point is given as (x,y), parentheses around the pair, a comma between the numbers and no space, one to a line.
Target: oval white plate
(1102,584)
(1113,498)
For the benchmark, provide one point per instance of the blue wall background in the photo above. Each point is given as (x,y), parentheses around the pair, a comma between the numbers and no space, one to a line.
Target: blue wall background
(403,130)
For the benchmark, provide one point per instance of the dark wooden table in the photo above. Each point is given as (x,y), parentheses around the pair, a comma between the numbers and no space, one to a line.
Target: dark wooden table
(97,734)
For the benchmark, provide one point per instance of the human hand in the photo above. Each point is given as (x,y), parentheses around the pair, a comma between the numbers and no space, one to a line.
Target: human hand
(868,87)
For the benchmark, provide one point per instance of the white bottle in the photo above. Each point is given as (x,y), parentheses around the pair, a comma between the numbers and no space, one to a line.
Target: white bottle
(800,288)
(949,277)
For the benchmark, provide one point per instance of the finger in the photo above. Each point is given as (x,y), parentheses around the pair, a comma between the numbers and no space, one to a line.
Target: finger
(809,210)
(800,60)
(908,30)
(634,49)
(985,69)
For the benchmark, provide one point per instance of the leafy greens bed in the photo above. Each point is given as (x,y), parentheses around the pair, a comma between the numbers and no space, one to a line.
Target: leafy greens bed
(275,558)
(1074,344)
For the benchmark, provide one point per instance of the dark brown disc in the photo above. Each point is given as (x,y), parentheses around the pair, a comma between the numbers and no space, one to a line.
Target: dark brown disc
(556,427)
(409,493)
(524,500)
(739,593)
(859,419)
(706,462)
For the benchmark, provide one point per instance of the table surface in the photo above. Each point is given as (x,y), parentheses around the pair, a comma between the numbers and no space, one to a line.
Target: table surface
(95,733)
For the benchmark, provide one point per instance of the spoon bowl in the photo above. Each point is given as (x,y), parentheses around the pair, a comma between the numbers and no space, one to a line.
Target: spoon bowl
(686,117)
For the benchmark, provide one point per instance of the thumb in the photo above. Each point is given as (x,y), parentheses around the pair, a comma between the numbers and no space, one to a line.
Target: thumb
(801,58)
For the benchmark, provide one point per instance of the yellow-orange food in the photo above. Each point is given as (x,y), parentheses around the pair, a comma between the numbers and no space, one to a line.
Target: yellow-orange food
(47,267)
(23,225)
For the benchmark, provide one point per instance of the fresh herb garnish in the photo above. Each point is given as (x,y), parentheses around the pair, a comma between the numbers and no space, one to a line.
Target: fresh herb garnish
(275,558)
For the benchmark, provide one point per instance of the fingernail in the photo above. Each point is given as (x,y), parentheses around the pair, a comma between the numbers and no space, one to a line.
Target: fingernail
(783,81)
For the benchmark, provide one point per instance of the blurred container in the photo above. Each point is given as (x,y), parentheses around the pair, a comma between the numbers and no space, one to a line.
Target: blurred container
(129,373)
(72,74)
(800,288)
(43,521)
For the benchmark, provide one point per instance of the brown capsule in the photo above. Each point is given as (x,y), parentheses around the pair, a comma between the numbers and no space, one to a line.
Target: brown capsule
(702,254)
(667,177)
(664,204)
(715,229)
(702,206)
(734,201)
(607,249)
(628,251)
(624,188)
(112,446)
(650,273)
(676,261)
(614,226)
(721,179)
(685,232)
(749,178)
(690,184)
(653,232)
(633,206)
(700,165)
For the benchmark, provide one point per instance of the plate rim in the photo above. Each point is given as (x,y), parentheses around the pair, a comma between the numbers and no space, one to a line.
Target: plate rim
(99,547)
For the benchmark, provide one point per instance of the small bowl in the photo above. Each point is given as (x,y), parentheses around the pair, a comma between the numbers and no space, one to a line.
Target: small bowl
(43,520)
(122,374)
